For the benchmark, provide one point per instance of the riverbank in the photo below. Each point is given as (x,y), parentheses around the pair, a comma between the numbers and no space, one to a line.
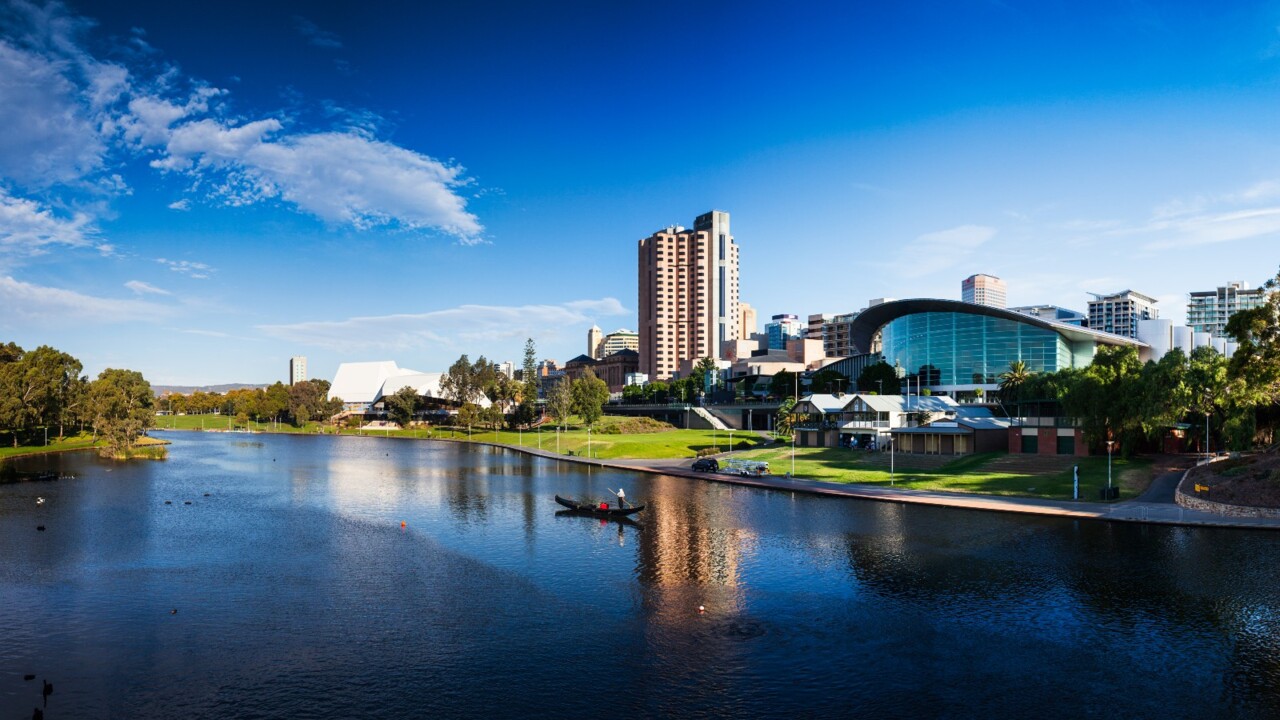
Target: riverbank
(72,444)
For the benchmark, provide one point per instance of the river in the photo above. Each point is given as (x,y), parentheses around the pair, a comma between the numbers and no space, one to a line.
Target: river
(288,588)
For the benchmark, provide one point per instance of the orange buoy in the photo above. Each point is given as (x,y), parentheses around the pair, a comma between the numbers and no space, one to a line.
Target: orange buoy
(403,524)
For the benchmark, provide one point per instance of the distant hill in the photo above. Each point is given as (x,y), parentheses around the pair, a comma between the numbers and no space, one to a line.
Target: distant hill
(188,389)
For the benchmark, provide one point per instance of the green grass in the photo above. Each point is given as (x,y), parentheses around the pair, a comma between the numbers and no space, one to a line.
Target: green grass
(71,442)
(966,474)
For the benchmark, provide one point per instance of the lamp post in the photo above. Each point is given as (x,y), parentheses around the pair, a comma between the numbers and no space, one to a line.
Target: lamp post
(881,384)
(731,442)
(1206,436)
(588,441)
(1109,444)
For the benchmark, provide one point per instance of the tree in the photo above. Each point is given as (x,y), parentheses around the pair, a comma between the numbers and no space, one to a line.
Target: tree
(784,384)
(528,409)
(560,401)
(458,383)
(705,375)
(827,380)
(401,405)
(879,378)
(1013,379)
(1106,397)
(122,408)
(782,423)
(590,393)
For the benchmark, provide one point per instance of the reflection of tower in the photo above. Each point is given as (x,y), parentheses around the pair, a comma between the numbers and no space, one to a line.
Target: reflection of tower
(595,336)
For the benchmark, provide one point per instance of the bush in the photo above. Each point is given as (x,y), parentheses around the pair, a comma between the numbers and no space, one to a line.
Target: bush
(635,426)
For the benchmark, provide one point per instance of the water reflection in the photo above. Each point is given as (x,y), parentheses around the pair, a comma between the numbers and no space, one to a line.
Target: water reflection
(301,594)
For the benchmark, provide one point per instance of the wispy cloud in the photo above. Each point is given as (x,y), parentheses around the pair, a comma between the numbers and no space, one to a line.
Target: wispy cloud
(142,288)
(197,270)
(465,326)
(942,250)
(69,118)
(28,228)
(316,36)
(181,205)
(28,303)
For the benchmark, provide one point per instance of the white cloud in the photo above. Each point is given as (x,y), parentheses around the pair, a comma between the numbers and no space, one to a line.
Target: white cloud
(942,250)
(1211,228)
(197,270)
(28,229)
(464,327)
(183,204)
(340,177)
(142,288)
(27,303)
(49,135)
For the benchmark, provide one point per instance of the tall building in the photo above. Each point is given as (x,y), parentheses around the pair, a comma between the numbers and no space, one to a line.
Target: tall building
(297,369)
(507,368)
(688,291)
(595,336)
(747,326)
(983,290)
(816,323)
(1209,310)
(619,340)
(783,328)
(1119,313)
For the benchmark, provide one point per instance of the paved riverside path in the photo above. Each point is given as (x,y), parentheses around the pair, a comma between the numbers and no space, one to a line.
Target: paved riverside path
(1155,505)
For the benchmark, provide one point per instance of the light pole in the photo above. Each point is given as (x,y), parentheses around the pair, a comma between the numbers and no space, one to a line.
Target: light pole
(881,384)
(588,441)
(730,442)
(1109,444)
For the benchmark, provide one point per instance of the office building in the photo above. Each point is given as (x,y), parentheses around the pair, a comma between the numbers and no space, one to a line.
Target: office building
(1209,310)
(688,293)
(748,325)
(782,329)
(834,332)
(297,369)
(619,340)
(595,336)
(983,290)
(1119,313)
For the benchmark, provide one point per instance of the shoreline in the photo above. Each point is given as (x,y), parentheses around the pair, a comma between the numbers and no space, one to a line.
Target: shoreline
(1129,511)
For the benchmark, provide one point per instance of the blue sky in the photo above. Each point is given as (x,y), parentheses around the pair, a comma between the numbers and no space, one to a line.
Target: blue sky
(200,193)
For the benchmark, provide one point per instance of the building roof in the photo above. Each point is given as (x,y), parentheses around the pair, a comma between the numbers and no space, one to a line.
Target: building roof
(827,403)
(909,403)
(869,321)
(369,382)
(581,360)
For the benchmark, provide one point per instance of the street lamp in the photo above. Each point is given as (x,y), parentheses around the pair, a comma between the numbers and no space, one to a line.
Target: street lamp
(1109,444)
(731,442)
(1206,436)
(881,384)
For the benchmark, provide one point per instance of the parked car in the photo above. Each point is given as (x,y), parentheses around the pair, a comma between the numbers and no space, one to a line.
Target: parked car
(706,465)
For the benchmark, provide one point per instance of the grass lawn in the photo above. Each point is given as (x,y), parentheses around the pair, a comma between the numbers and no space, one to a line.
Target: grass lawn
(71,442)
(966,474)
(606,446)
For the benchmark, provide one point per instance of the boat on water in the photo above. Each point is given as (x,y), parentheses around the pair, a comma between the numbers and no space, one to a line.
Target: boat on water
(592,509)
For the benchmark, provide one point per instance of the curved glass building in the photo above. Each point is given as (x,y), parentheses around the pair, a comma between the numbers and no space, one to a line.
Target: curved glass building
(947,345)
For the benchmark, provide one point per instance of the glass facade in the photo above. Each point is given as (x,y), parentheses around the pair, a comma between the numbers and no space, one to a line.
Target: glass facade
(943,348)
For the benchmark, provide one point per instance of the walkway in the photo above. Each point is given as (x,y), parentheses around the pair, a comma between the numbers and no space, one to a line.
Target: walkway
(1153,506)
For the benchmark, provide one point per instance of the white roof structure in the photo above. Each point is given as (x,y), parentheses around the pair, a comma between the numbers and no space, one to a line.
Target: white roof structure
(369,382)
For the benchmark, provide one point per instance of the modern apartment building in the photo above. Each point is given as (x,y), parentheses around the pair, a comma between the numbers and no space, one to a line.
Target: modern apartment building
(783,328)
(1209,310)
(983,290)
(1119,313)
(297,369)
(688,292)
(619,340)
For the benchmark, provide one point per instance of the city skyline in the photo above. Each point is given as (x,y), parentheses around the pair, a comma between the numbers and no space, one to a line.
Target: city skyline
(202,198)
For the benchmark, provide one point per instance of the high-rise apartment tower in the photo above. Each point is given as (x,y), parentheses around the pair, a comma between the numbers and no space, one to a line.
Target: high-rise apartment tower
(1209,310)
(688,294)
(297,369)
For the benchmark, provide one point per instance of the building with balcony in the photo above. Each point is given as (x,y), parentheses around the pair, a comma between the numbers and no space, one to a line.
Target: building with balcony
(1119,313)
(1208,311)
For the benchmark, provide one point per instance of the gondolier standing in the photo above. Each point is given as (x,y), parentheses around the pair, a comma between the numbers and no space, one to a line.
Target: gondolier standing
(622,497)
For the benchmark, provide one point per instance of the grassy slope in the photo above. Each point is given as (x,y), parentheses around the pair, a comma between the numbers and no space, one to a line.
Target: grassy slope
(966,474)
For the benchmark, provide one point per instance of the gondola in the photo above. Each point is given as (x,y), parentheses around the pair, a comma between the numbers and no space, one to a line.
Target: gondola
(617,520)
(589,509)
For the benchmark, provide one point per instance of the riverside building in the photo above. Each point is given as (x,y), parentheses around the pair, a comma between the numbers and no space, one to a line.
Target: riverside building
(688,294)
(1119,313)
(1208,311)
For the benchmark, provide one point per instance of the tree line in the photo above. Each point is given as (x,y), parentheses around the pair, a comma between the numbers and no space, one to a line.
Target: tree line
(43,389)
(296,404)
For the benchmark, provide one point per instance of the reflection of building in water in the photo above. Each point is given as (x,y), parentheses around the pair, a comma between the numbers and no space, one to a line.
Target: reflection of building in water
(685,542)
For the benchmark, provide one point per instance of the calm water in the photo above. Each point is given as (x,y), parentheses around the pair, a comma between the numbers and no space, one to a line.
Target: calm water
(300,596)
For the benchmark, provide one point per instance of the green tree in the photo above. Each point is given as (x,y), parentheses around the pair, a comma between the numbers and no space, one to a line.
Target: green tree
(528,409)
(1106,398)
(1013,379)
(784,384)
(401,405)
(459,382)
(560,401)
(828,381)
(590,393)
(706,374)
(122,408)
(782,422)
(879,378)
